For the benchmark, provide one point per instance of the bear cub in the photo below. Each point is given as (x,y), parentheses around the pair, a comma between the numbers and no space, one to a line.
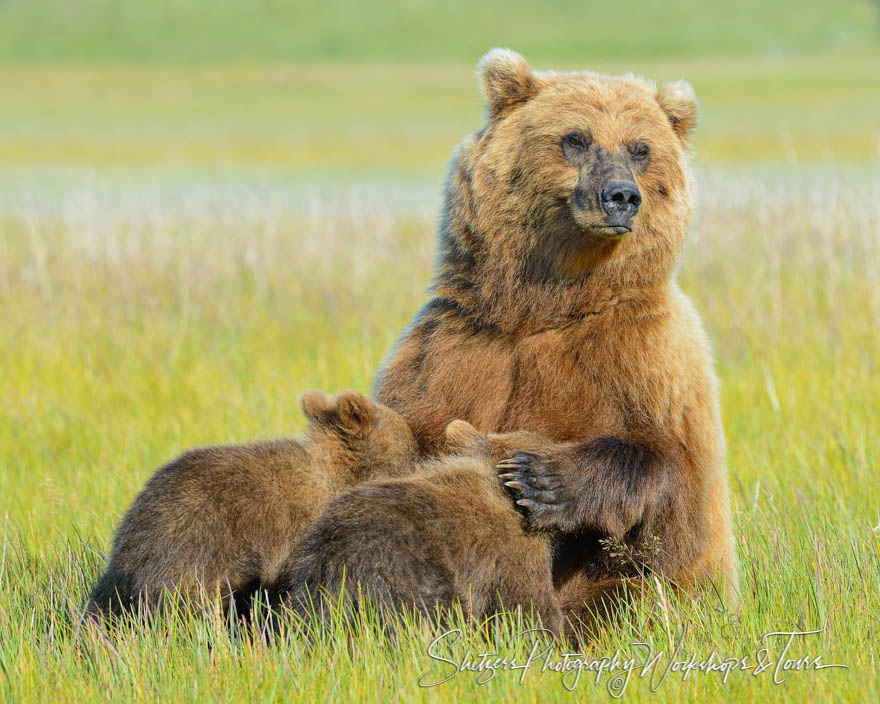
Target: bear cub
(447,533)
(225,519)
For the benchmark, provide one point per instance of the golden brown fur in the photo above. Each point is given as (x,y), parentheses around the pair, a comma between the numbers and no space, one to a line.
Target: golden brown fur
(227,518)
(448,533)
(541,321)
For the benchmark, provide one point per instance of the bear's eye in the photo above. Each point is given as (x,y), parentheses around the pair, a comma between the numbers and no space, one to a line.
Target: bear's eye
(576,139)
(639,150)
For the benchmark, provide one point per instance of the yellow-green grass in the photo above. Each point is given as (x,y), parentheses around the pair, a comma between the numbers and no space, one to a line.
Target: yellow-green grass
(192,31)
(142,317)
(338,119)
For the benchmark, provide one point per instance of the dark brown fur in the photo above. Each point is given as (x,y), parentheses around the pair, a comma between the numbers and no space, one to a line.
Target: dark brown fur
(542,321)
(449,533)
(226,518)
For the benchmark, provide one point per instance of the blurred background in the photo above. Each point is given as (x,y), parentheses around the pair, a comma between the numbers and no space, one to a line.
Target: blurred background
(342,88)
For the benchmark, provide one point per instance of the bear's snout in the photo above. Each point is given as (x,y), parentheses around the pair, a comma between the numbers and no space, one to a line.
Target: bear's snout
(621,201)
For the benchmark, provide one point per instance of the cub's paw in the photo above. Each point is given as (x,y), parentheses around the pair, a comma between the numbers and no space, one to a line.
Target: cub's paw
(534,482)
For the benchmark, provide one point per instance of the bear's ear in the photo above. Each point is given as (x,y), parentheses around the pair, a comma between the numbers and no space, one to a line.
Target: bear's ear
(464,439)
(507,80)
(355,412)
(680,105)
(349,412)
(316,405)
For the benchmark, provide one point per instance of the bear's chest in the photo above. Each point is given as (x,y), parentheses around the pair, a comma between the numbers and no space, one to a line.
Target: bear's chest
(573,383)
(568,384)
(565,384)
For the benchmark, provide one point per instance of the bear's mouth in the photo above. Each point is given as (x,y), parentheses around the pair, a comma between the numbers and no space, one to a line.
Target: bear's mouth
(610,231)
(580,223)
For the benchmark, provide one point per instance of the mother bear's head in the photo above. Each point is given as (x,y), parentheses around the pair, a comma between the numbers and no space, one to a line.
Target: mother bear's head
(576,190)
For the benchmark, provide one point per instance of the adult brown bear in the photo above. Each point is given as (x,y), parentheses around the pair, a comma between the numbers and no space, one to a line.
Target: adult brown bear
(556,311)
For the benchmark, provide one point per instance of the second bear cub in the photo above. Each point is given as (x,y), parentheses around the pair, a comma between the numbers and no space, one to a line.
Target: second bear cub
(447,533)
(226,518)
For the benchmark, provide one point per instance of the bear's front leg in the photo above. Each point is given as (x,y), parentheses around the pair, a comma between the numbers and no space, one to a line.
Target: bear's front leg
(606,484)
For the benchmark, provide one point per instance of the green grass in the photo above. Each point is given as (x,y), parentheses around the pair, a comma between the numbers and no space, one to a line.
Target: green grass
(144,317)
(366,119)
(338,89)
(419,30)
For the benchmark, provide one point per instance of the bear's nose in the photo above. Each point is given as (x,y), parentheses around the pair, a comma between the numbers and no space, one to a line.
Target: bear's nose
(621,201)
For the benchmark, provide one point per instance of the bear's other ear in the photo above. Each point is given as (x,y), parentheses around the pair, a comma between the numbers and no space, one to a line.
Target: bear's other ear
(507,80)
(680,105)
(316,405)
(349,412)
(463,438)
(355,411)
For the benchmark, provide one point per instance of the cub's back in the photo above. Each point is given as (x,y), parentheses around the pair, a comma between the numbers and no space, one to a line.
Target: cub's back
(425,538)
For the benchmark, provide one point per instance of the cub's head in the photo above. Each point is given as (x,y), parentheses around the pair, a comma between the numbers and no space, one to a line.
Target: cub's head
(573,170)
(373,440)
(463,439)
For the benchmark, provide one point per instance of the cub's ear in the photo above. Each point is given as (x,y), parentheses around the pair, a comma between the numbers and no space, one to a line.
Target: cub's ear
(317,406)
(349,412)
(680,105)
(464,439)
(507,80)
(355,412)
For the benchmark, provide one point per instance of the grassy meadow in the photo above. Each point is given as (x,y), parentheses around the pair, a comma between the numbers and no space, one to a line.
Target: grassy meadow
(199,221)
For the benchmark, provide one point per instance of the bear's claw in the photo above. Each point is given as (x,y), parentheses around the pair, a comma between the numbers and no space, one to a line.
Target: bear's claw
(519,461)
(534,485)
